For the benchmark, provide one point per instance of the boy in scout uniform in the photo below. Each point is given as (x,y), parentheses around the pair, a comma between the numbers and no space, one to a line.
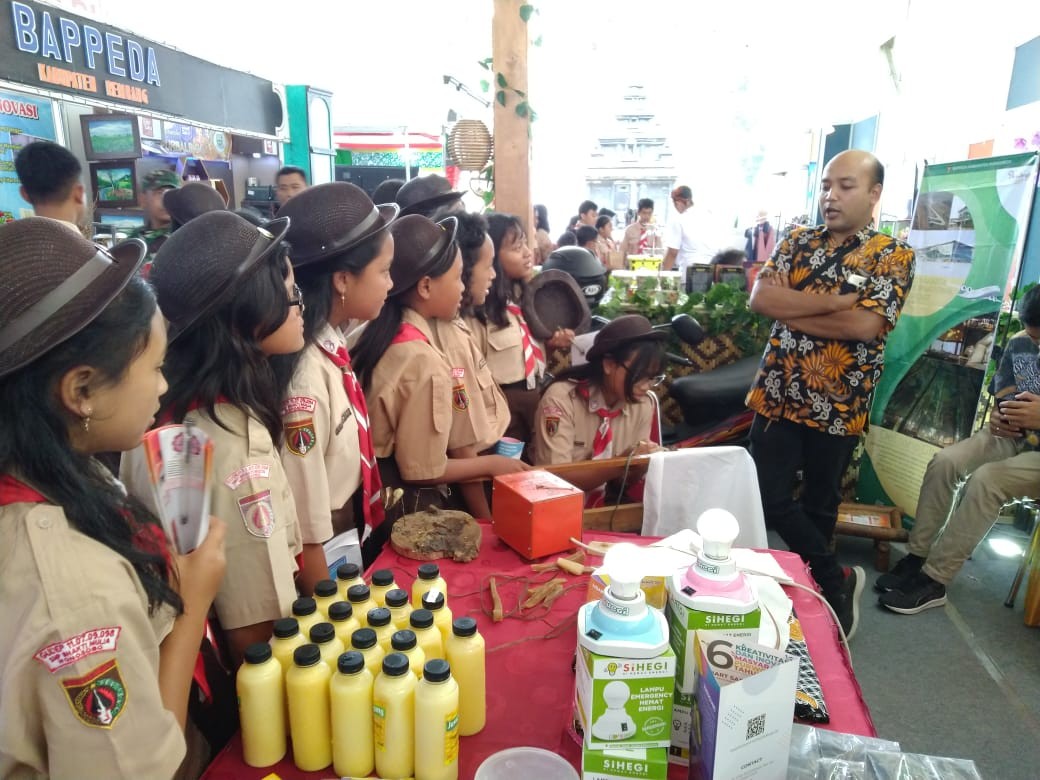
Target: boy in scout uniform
(341,255)
(227,289)
(95,623)
(414,392)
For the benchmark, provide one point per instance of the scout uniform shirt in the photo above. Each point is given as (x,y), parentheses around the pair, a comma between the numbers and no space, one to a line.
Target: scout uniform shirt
(320,452)
(569,425)
(251,494)
(410,402)
(511,357)
(78,650)
(473,387)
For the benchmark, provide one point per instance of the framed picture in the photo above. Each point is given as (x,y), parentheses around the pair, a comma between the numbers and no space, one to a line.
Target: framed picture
(114,183)
(150,128)
(111,136)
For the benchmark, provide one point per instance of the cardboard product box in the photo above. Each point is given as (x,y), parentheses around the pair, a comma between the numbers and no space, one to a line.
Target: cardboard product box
(744,721)
(625,702)
(654,587)
(683,713)
(616,764)
(685,623)
(536,512)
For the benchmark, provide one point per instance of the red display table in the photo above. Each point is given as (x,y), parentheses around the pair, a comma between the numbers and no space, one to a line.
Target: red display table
(530,683)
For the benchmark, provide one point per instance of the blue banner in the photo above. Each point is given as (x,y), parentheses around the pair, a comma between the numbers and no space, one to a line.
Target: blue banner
(23,119)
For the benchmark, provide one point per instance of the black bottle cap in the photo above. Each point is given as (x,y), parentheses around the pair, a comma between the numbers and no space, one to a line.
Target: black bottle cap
(380,616)
(304,606)
(395,664)
(326,588)
(421,618)
(340,610)
(350,662)
(464,626)
(322,632)
(348,571)
(286,627)
(357,594)
(436,670)
(382,577)
(403,640)
(257,653)
(433,600)
(396,597)
(429,571)
(363,638)
(306,655)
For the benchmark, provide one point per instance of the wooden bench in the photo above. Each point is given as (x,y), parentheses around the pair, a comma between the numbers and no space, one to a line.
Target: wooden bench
(883,535)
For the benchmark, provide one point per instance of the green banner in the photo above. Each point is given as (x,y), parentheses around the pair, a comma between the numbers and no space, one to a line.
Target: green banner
(967,233)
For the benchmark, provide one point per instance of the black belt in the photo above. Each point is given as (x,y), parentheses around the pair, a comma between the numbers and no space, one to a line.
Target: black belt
(521,385)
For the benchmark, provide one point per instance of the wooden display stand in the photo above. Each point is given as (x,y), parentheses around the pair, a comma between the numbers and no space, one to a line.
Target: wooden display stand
(883,524)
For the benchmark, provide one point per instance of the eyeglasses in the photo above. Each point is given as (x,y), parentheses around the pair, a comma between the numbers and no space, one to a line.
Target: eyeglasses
(654,381)
(297,299)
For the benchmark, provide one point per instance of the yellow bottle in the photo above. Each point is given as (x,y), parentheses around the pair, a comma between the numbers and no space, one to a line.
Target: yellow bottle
(286,639)
(260,684)
(306,613)
(429,579)
(382,581)
(437,723)
(307,687)
(360,599)
(347,576)
(329,645)
(393,718)
(364,641)
(341,615)
(326,593)
(400,609)
(406,643)
(379,621)
(465,653)
(433,600)
(426,634)
(351,695)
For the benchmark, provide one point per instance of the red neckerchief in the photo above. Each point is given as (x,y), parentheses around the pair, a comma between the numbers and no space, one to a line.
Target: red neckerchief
(408,332)
(13,491)
(371,484)
(604,435)
(534,358)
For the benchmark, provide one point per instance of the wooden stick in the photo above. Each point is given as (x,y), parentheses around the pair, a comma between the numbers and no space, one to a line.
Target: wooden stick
(496,603)
(572,567)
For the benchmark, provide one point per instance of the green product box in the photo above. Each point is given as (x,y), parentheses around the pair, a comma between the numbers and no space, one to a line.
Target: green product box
(615,764)
(683,624)
(683,707)
(625,702)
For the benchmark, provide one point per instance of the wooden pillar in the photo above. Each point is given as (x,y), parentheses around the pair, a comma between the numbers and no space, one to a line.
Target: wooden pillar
(512,136)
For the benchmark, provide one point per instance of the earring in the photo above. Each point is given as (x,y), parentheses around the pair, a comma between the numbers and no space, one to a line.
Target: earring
(86,421)
(343,299)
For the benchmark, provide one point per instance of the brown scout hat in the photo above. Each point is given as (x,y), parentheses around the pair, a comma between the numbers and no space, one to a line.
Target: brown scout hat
(199,267)
(422,247)
(620,332)
(425,194)
(53,283)
(328,219)
(553,300)
(194,198)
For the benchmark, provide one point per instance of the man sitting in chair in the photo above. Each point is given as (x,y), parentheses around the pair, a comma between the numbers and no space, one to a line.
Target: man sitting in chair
(1001,462)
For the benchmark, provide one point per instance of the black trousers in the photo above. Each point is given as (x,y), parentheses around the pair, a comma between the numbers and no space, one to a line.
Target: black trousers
(780,449)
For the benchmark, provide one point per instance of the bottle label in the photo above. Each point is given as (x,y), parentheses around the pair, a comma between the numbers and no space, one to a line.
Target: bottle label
(379,725)
(451,738)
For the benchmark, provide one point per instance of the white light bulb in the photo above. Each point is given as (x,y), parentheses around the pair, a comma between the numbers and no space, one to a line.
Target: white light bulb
(718,529)
(622,564)
(616,694)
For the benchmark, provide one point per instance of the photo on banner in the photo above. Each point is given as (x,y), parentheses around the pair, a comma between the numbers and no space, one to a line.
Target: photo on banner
(967,232)
(23,119)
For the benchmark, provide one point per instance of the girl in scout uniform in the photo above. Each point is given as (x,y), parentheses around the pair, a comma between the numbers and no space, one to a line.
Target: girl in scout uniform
(414,391)
(341,255)
(98,615)
(517,360)
(227,289)
(602,409)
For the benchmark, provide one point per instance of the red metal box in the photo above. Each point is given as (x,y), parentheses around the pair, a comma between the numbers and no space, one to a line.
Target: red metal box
(536,512)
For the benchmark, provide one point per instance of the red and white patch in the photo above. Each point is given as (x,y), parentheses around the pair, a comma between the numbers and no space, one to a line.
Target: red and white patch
(552,411)
(58,655)
(245,474)
(258,513)
(298,403)
(458,373)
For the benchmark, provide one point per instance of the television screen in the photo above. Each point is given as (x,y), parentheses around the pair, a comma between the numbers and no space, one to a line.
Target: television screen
(115,183)
(111,136)
(120,219)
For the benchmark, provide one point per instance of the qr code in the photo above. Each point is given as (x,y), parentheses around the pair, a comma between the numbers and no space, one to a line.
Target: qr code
(756,727)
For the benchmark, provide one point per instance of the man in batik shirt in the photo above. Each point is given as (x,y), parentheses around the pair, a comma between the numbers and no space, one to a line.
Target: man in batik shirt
(836,291)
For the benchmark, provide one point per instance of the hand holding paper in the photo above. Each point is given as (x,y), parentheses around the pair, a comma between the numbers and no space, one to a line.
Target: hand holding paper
(180,466)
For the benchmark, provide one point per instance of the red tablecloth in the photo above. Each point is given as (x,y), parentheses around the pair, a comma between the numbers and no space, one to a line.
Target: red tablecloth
(530,683)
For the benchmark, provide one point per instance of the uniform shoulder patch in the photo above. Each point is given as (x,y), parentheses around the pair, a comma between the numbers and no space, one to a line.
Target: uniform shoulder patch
(99,697)
(300,436)
(552,425)
(460,398)
(249,472)
(257,513)
(299,403)
(58,655)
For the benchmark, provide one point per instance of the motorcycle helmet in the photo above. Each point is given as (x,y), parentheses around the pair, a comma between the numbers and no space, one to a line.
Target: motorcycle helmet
(584,266)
